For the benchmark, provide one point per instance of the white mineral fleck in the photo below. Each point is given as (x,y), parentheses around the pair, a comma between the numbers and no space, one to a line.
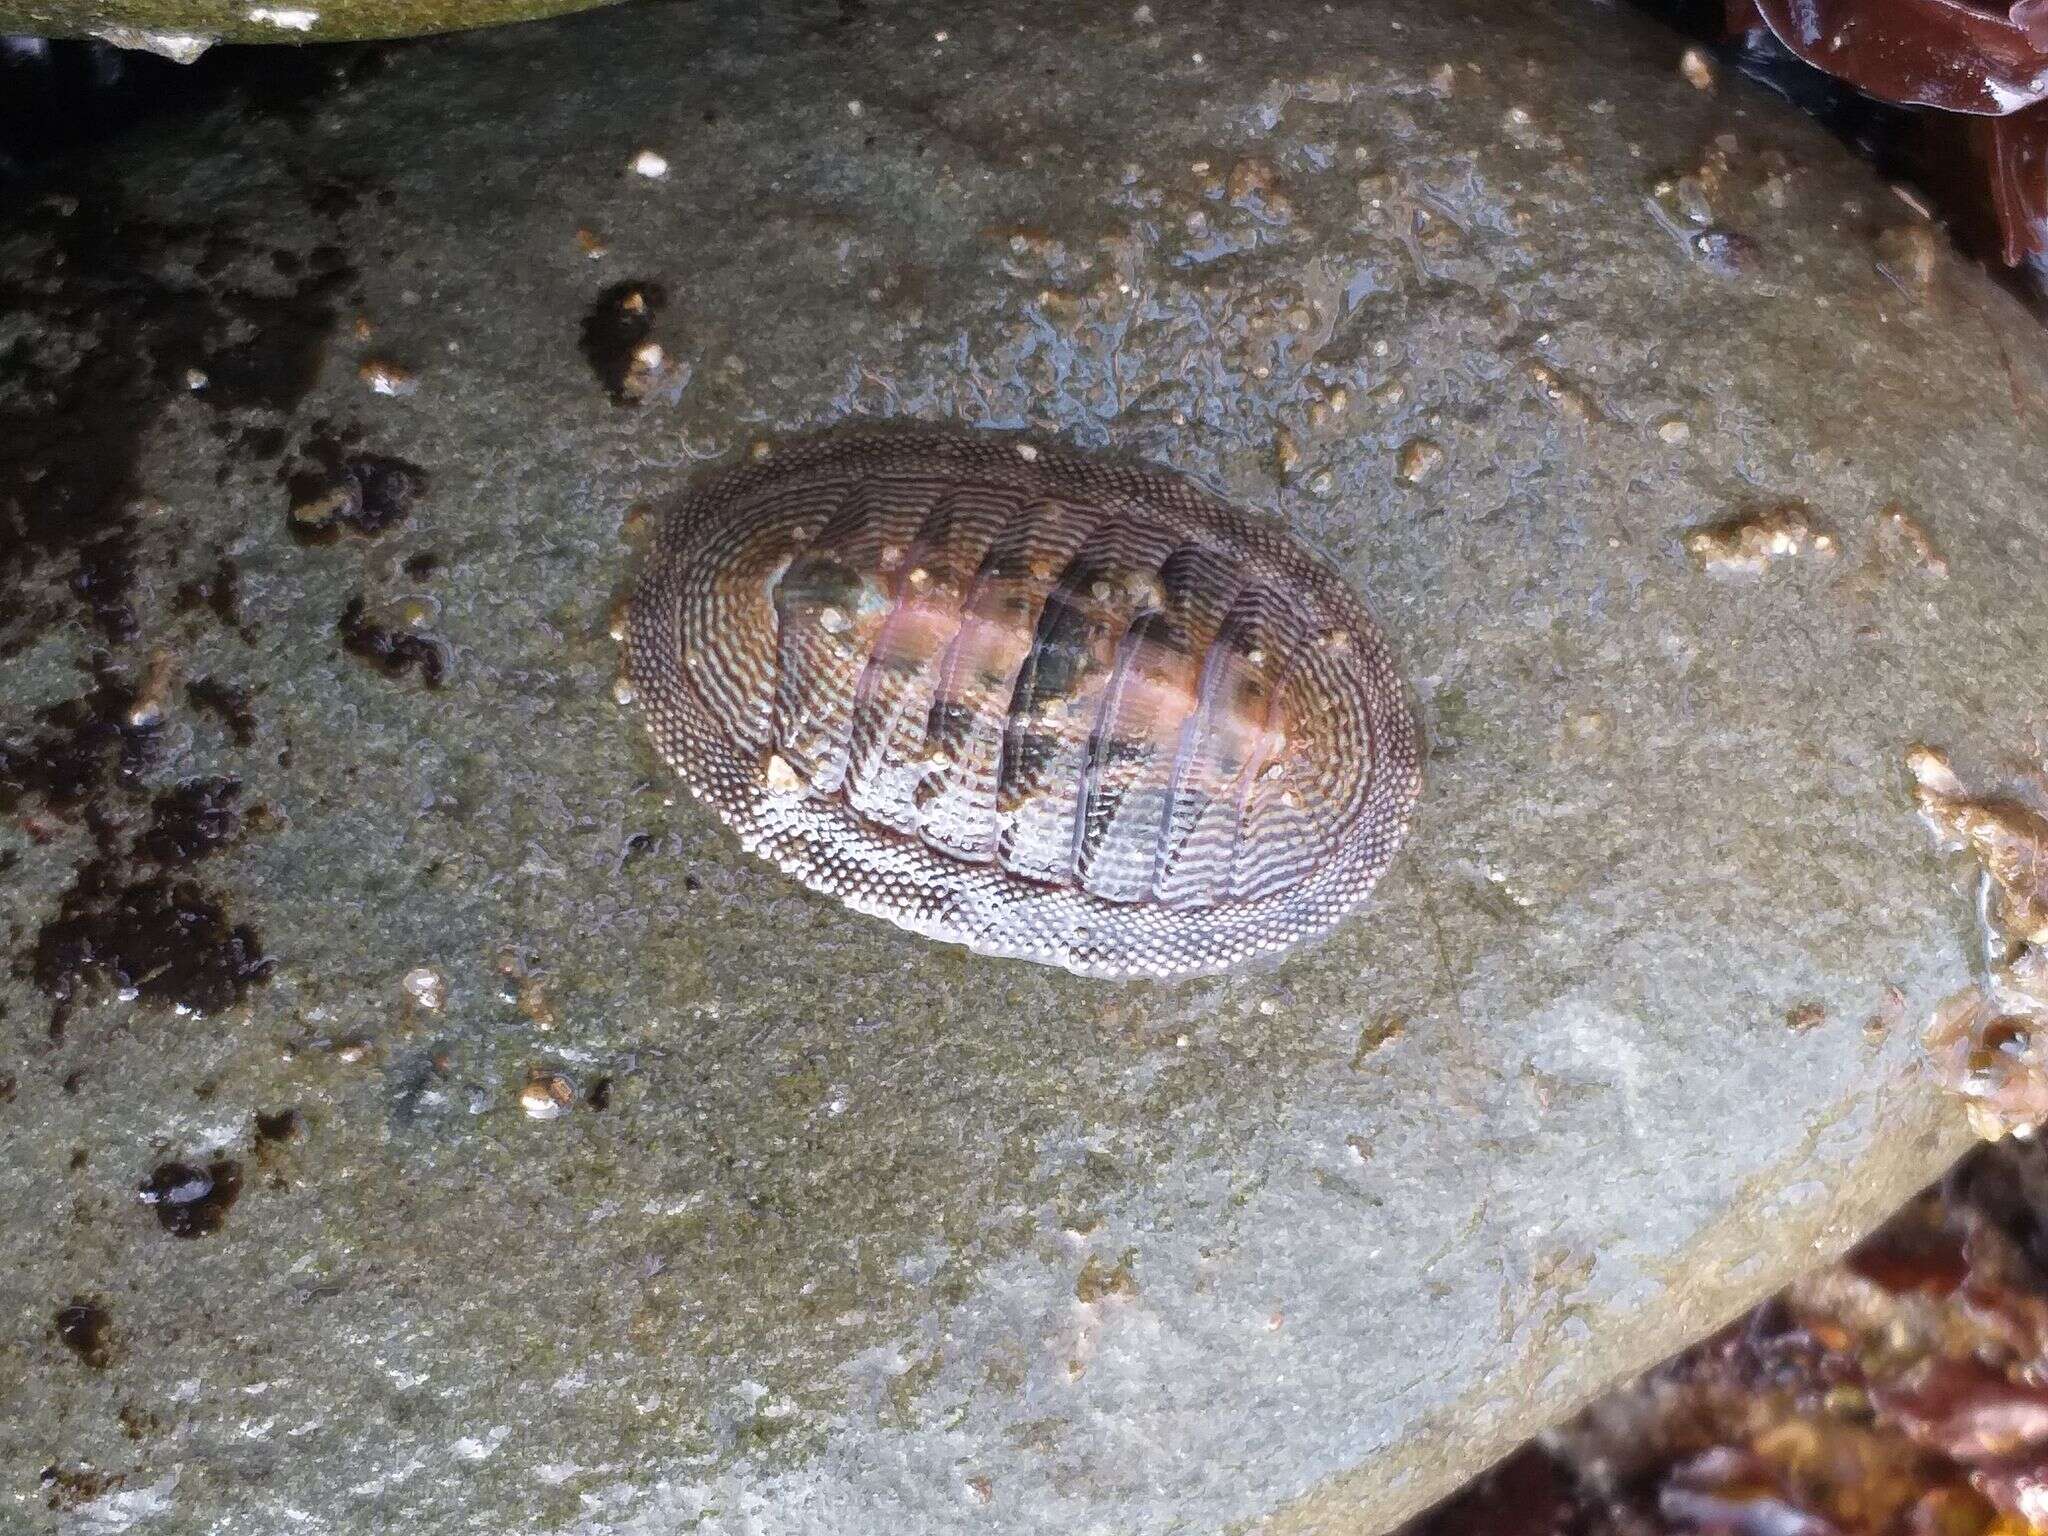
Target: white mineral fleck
(178,47)
(291,18)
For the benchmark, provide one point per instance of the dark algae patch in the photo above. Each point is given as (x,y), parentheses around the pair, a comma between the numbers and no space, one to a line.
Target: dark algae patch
(250,350)
(394,652)
(69,1487)
(276,1130)
(191,1201)
(163,940)
(336,486)
(122,328)
(219,592)
(83,1327)
(227,704)
(618,324)
(80,748)
(76,396)
(117,318)
(133,919)
(191,821)
(127,921)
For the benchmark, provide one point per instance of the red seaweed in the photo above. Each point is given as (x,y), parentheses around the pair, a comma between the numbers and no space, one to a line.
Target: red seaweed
(1984,59)
(1973,57)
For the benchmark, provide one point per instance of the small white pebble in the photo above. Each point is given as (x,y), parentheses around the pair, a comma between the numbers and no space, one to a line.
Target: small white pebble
(426,987)
(647,163)
(1027,453)
(388,378)
(547,1096)
(195,379)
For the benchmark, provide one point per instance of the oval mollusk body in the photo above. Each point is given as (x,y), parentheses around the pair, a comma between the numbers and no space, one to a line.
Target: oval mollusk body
(1018,698)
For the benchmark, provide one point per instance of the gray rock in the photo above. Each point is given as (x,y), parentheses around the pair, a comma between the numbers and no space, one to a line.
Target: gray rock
(182,30)
(1496,311)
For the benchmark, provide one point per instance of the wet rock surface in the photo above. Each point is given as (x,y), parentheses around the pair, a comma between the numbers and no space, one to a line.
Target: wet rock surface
(1899,1389)
(549,1164)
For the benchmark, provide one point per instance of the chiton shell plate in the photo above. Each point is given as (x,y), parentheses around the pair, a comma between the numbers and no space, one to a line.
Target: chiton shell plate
(1018,697)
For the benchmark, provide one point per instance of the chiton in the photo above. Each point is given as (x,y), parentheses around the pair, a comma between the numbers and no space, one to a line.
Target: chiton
(1017,697)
